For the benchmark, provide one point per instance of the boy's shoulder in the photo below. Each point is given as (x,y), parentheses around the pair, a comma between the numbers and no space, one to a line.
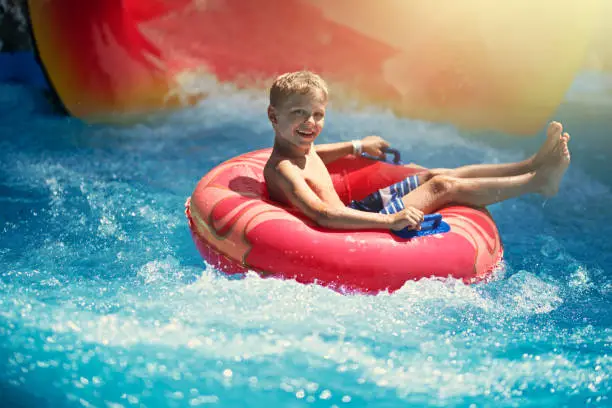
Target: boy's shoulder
(280,173)
(278,164)
(277,159)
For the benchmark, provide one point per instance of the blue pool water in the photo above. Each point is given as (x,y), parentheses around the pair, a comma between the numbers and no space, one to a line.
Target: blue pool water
(105,302)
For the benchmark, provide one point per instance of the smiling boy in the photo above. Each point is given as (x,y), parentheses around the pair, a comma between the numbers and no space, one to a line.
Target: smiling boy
(296,172)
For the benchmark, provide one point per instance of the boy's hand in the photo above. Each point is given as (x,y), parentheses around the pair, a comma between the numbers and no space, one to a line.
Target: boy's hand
(409,217)
(374,145)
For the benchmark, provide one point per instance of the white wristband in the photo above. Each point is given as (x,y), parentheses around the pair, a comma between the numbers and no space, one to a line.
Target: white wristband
(357,147)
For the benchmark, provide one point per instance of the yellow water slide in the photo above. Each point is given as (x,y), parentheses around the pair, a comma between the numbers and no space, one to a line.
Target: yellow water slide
(479,64)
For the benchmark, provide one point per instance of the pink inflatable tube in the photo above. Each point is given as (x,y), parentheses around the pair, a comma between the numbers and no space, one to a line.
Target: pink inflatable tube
(237,228)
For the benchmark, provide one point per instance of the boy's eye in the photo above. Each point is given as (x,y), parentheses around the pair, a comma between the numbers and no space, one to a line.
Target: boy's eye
(318,116)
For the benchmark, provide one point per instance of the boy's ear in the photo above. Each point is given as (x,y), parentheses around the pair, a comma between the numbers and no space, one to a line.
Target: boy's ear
(272,114)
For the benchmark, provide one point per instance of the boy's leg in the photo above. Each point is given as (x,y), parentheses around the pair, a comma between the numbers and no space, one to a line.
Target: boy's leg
(553,137)
(479,192)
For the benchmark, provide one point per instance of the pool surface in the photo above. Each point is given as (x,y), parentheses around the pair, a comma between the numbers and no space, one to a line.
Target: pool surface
(105,302)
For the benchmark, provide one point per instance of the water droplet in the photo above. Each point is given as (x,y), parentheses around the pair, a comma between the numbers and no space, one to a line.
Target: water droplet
(325,394)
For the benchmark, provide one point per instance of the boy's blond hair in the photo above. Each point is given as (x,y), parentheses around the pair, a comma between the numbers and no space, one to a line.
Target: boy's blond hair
(298,82)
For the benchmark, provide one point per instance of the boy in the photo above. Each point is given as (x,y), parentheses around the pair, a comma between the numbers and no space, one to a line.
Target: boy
(296,174)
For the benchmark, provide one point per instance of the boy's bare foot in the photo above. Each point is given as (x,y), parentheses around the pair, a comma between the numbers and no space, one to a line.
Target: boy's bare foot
(553,136)
(549,175)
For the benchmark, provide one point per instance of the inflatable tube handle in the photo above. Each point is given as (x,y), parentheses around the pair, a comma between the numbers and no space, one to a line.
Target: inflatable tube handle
(432,224)
(396,156)
(431,221)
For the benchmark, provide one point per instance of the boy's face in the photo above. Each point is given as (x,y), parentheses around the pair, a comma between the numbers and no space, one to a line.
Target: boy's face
(300,119)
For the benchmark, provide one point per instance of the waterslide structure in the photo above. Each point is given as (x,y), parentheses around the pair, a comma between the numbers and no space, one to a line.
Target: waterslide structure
(504,65)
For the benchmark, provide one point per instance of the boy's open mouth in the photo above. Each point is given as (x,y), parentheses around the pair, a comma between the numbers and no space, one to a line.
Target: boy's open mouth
(305,133)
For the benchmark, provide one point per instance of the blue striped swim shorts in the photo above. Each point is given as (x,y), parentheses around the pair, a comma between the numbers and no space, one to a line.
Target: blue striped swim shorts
(387,200)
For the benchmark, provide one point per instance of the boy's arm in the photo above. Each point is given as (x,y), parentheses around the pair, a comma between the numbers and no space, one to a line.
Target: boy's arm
(330,152)
(299,193)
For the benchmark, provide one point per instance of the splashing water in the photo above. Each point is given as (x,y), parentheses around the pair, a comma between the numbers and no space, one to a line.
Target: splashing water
(105,302)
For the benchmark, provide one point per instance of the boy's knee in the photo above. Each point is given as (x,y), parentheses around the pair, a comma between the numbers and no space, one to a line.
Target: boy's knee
(427,175)
(442,184)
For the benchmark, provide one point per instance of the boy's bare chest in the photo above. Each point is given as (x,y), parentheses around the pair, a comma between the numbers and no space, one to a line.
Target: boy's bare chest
(316,175)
